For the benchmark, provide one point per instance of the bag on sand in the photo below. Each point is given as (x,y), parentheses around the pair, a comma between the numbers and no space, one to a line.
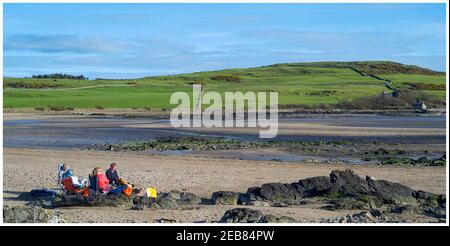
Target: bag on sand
(151,192)
(43,194)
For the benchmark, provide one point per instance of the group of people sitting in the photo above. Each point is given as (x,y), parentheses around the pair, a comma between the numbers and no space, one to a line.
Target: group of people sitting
(98,182)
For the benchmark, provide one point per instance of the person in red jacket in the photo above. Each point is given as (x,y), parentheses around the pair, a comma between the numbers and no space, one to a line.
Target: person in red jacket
(99,181)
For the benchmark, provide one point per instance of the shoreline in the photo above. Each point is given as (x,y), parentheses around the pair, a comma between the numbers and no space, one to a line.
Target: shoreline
(165,113)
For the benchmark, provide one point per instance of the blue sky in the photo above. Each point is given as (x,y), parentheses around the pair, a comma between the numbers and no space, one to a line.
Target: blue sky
(136,40)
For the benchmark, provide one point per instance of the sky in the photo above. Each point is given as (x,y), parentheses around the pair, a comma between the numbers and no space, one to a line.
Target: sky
(137,40)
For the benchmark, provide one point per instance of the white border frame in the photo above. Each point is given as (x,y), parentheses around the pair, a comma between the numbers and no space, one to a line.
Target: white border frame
(219,224)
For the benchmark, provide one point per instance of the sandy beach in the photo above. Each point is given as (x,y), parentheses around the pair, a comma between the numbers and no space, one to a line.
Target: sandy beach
(25,169)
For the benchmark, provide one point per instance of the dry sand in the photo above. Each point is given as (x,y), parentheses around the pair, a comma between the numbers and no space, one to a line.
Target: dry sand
(26,169)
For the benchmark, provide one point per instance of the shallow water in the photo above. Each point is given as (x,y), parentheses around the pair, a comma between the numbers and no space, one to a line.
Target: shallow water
(85,132)
(380,121)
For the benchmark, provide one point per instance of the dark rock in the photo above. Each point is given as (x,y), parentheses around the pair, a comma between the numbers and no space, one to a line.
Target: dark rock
(166,203)
(345,185)
(252,194)
(27,214)
(42,203)
(347,204)
(278,192)
(362,217)
(305,202)
(400,209)
(95,200)
(168,200)
(225,198)
(275,219)
(423,195)
(392,193)
(206,201)
(424,160)
(438,212)
(138,207)
(381,151)
(144,201)
(439,161)
(182,197)
(279,204)
(175,194)
(442,200)
(376,212)
(348,183)
(432,204)
(241,215)
(427,199)
(315,186)
(244,199)
(187,198)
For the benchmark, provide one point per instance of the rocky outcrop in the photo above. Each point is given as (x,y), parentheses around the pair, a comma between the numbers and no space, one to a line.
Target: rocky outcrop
(362,217)
(341,184)
(246,215)
(347,204)
(241,215)
(225,198)
(280,193)
(94,200)
(316,186)
(187,198)
(391,193)
(29,214)
(167,200)
(273,193)
(275,219)
(341,190)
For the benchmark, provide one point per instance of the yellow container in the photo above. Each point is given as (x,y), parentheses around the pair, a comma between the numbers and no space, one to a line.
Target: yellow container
(151,192)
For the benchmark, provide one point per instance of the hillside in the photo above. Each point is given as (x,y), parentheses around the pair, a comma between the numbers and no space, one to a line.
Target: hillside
(372,67)
(305,84)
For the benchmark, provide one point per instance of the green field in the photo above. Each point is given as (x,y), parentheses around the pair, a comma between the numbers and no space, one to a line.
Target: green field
(297,83)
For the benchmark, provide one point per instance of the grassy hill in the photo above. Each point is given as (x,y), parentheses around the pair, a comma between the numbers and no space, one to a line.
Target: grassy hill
(307,84)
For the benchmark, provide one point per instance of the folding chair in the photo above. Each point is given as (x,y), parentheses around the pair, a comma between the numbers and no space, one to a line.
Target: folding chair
(59,174)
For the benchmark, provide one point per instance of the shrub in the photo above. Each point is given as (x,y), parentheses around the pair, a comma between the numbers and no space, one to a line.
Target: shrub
(57,108)
(322,93)
(30,85)
(39,108)
(229,78)
(427,86)
(99,107)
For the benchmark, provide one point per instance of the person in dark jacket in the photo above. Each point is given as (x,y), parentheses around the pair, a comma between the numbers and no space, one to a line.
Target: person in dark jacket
(112,174)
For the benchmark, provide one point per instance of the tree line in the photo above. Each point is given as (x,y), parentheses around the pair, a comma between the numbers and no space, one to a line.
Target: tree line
(59,76)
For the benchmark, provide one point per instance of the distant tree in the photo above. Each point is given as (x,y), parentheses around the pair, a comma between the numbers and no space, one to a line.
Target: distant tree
(59,76)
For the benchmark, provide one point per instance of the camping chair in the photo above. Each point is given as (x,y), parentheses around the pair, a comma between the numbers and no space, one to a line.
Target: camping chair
(59,184)
(70,189)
